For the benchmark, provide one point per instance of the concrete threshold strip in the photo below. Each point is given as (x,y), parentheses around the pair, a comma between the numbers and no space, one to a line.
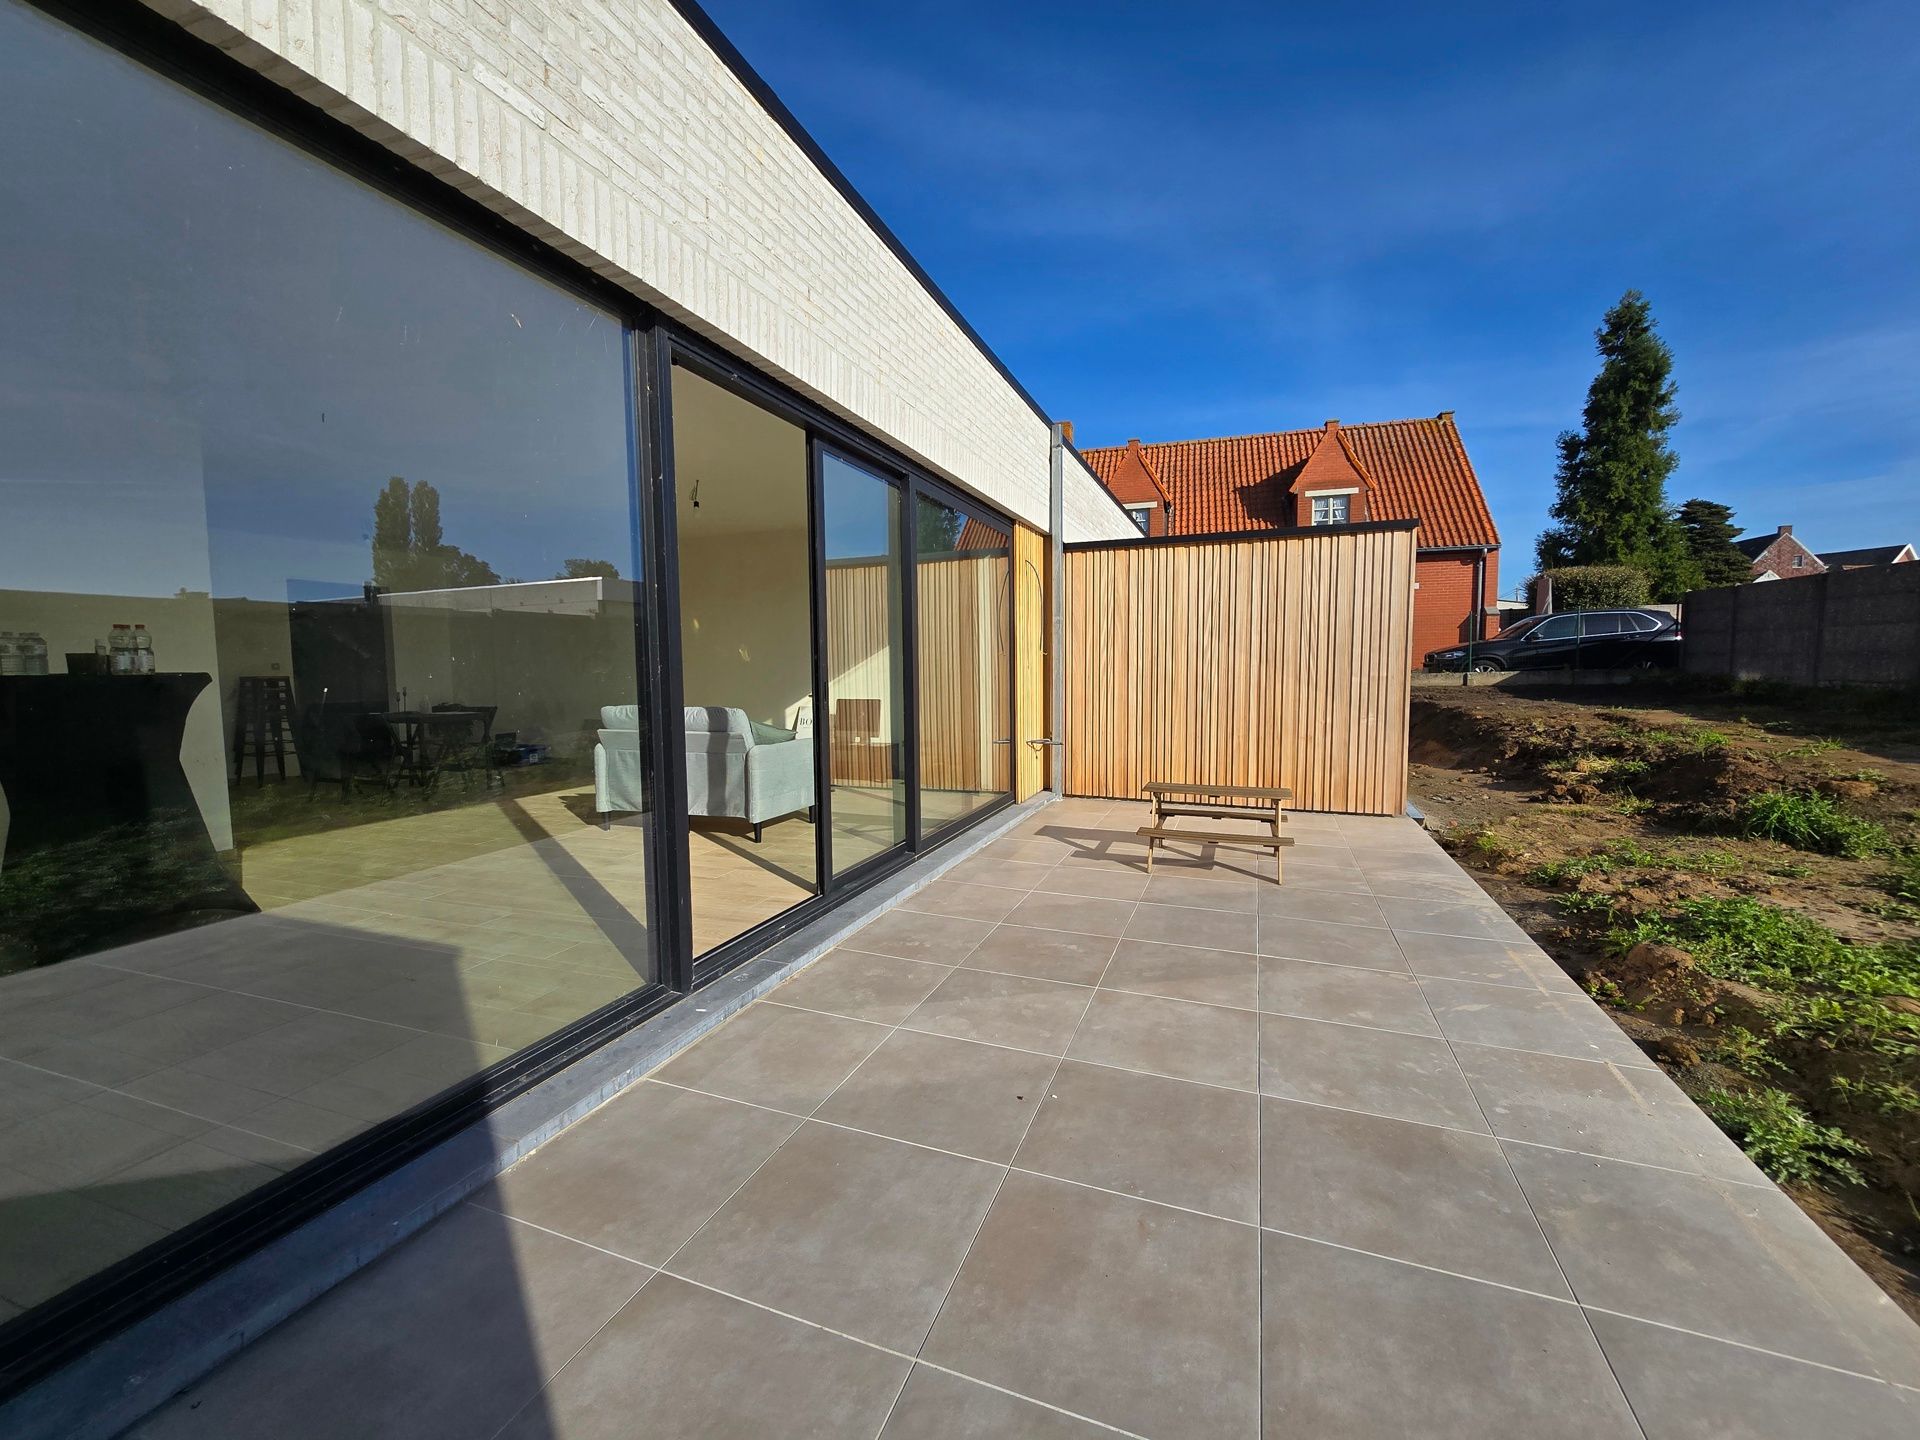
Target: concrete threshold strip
(122,1380)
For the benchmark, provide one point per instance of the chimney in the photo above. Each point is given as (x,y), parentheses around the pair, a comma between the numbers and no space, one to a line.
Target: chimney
(1134,444)
(1444,415)
(1786,530)
(1066,431)
(1333,425)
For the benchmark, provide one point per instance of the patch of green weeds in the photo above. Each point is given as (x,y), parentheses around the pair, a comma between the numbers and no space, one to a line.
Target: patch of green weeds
(1758,944)
(1739,1048)
(1888,1097)
(1782,1139)
(1817,745)
(1808,820)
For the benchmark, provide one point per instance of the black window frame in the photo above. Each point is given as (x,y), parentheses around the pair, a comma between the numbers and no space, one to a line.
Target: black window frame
(48,1336)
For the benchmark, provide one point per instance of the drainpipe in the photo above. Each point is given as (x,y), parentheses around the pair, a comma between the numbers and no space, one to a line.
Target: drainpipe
(1057,621)
(1478,630)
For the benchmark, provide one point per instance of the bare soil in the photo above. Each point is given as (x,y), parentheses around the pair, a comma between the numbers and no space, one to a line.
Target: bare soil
(1515,781)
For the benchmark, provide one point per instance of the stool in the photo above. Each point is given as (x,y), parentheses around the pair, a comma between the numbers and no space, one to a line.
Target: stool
(262,725)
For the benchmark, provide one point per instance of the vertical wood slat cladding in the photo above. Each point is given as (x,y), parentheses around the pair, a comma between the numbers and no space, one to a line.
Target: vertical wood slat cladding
(1030,638)
(1270,661)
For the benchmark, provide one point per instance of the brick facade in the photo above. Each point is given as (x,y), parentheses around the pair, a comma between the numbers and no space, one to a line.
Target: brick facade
(1443,605)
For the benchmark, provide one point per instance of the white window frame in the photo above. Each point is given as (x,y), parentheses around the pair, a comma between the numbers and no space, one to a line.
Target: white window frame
(1317,499)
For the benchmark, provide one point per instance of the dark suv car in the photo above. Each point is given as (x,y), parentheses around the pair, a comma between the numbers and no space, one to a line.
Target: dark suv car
(1589,639)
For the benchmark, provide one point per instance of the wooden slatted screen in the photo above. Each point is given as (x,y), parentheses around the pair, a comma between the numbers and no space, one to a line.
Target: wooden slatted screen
(1273,660)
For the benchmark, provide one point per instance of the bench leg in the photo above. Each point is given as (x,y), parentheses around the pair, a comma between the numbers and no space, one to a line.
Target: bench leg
(1153,843)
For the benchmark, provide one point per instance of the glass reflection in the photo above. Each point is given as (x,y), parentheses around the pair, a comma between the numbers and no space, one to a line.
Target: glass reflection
(865,686)
(317,606)
(961,584)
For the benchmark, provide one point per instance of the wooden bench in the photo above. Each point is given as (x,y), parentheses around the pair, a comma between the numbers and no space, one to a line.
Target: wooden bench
(1217,802)
(1155,834)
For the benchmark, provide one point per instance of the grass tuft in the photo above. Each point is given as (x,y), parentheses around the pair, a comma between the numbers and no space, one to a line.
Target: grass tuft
(1782,1139)
(1808,820)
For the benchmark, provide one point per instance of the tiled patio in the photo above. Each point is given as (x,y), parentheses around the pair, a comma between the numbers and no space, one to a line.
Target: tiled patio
(1057,1150)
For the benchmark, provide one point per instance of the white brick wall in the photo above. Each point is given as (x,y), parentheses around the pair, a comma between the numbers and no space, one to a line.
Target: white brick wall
(1087,510)
(608,128)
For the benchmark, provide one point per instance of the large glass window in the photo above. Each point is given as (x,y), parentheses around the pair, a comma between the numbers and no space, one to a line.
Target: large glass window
(962,575)
(322,730)
(746,652)
(865,655)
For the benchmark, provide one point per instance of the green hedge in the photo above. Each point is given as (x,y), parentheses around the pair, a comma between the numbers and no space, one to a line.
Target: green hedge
(1598,587)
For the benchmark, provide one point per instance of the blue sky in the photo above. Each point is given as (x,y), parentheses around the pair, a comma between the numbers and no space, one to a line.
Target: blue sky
(1184,220)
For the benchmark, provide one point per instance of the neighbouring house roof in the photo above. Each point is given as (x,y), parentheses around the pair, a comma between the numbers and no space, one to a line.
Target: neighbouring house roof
(1872,555)
(1413,470)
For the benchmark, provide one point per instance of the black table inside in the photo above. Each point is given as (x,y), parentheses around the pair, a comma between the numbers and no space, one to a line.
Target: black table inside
(102,817)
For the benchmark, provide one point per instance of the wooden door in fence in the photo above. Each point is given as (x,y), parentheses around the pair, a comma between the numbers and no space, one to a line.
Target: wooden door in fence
(1273,660)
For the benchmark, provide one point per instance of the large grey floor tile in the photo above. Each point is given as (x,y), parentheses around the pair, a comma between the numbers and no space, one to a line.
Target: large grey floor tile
(1465,957)
(969,902)
(1186,925)
(939,1406)
(881,988)
(1082,914)
(1130,1313)
(446,1337)
(1359,1348)
(1105,883)
(951,1094)
(1205,1043)
(997,1009)
(1405,1077)
(1436,1197)
(682,1363)
(1000,871)
(1287,938)
(1686,1387)
(1344,879)
(911,935)
(1379,998)
(1308,902)
(775,1055)
(1063,955)
(52,1237)
(1476,918)
(643,1172)
(1564,1023)
(1203,893)
(847,1230)
(1185,972)
(1169,1140)
(1742,1263)
(1621,1112)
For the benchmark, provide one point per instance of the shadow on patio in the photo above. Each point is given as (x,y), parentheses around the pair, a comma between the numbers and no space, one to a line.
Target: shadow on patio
(1054,1149)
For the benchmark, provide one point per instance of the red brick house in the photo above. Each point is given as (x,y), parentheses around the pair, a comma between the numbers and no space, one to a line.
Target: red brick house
(1779,556)
(1338,474)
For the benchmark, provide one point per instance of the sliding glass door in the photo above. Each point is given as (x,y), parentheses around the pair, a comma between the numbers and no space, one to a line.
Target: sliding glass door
(865,655)
(963,601)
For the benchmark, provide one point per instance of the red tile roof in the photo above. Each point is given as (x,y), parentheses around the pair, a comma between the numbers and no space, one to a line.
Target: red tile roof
(1415,469)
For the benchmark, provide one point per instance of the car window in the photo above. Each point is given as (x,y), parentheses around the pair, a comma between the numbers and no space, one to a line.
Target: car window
(1603,624)
(1557,627)
(1518,630)
(1646,622)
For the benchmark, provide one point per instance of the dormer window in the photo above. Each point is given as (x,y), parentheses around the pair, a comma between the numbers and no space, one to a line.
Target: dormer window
(1141,515)
(1330,509)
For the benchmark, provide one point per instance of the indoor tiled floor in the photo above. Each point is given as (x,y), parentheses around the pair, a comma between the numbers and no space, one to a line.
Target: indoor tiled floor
(1054,1150)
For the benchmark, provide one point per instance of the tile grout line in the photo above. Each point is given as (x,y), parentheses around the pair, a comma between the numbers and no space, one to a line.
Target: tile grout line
(1566,1279)
(1289,1099)
(1026,1130)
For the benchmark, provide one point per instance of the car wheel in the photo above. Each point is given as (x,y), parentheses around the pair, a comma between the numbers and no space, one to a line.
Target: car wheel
(1487,667)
